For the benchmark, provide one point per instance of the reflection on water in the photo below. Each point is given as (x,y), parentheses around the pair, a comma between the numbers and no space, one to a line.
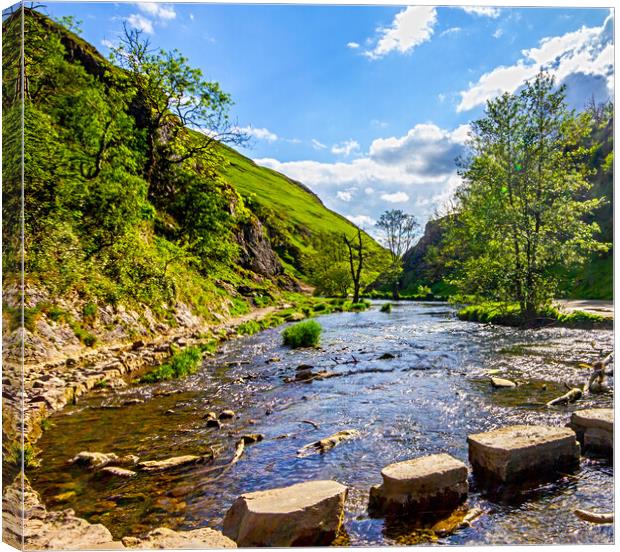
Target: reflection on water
(426,400)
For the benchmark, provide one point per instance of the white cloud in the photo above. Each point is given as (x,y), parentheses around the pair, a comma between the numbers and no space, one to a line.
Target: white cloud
(317,145)
(410,28)
(363,221)
(159,11)
(259,133)
(191,16)
(419,165)
(451,30)
(396,197)
(344,196)
(498,33)
(353,45)
(345,148)
(587,52)
(108,43)
(483,11)
(140,23)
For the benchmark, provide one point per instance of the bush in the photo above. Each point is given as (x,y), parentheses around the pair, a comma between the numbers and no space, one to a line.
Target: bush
(182,363)
(356,307)
(304,334)
(249,328)
(387,307)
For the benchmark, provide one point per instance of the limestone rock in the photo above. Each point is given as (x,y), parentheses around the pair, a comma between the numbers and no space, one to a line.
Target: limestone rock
(328,442)
(117,472)
(514,452)
(435,483)
(305,514)
(94,460)
(502,383)
(169,463)
(163,537)
(594,428)
(40,529)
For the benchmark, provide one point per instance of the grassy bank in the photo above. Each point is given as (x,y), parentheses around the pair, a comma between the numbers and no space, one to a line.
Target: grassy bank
(503,314)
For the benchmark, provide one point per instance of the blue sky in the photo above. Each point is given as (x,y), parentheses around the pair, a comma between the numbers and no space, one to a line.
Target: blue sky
(367,105)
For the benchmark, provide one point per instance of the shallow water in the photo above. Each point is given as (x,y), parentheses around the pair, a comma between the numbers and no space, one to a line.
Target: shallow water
(426,400)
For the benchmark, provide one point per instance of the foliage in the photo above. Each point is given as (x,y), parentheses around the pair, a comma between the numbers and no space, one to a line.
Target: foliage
(303,334)
(182,363)
(249,328)
(521,211)
(386,307)
(27,455)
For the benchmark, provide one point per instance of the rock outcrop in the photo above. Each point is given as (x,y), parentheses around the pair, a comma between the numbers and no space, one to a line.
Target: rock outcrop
(36,528)
(421,486)
(517,452)
(305,514)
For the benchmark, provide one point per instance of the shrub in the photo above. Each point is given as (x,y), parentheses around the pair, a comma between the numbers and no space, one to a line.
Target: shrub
(304,334)
(89,310)
(15,455)
(249,328)
(362,306)
(387,307)
(182,363)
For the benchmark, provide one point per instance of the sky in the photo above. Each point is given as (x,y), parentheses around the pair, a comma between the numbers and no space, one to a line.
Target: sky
(367,105)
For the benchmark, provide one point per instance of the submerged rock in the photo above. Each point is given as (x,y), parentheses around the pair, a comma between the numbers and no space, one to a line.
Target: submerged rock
(515,452)
(502,383)
(163,537)
(305,514)
(227,415)
(387,356)
(425,485)
(117,472)
(252,438)
(169,463)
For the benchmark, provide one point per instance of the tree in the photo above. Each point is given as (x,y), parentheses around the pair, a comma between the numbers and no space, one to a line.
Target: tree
(521,209)
(358,256)
(183,114)
(328,267)
(400,230)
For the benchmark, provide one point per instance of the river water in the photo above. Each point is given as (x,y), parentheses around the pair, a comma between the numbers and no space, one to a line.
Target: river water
(424,401)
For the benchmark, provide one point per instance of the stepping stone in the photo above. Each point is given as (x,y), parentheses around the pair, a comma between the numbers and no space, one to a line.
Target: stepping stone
(515,452)
(425,485)
(594,428)
(305,514)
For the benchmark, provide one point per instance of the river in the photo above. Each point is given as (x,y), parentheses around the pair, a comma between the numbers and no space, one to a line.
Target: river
(426,400)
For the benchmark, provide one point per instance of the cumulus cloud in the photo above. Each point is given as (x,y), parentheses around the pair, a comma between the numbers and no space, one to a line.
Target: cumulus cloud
(344,196)
(345,148)
(483,11)
(588,52)
(394,171)
(410,28)
(363,221)
(396,197)
(156,10)
(141,23)
(353,45)
(259,133)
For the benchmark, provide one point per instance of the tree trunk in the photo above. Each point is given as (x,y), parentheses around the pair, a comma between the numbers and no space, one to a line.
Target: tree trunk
(396,291)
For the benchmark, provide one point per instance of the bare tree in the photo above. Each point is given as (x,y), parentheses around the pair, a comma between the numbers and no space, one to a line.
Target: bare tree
(357,257)
(400,230)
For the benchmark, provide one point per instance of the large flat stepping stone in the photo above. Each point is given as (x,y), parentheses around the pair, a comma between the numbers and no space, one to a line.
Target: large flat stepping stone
(430,484)
(511,453)
(162,537)
(594,428)
(305,514)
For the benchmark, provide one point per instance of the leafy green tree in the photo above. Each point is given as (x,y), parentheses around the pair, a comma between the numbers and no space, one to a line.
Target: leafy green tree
(175,101)
(522,210)
(399,229)
(328,267)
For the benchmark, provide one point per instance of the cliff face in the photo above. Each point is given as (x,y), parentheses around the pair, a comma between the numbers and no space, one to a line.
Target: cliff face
(417,268)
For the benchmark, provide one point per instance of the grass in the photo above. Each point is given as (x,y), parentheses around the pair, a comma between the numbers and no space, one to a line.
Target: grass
(182,363)
(249,328)
(304,334)
(289,201)
(509,315)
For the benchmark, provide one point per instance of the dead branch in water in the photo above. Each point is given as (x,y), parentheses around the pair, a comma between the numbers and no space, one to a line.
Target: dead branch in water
(594,517)
(313,424)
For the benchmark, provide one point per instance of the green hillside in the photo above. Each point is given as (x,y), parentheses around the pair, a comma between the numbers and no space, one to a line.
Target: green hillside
(124,203)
